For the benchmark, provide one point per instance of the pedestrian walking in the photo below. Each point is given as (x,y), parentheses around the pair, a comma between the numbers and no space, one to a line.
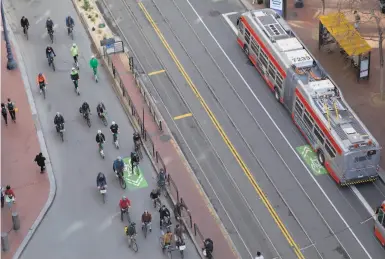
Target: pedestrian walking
(357,20)
(40,161)
(4,113)
(9,196)
(259,255)
(11,109)
(2,197)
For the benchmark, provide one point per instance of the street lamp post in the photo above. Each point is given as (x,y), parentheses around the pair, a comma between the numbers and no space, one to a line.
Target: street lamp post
(11,63)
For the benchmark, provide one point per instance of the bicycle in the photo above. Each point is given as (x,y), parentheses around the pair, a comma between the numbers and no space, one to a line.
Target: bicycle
(50,62)
(144,229)
(128,215)
(157,203)
(115,139)
(76,84)
(71,31)
(166,224)
(138,150)
(165,248)
(42,89)
(101,149)
(132,243)
(61,131)
(95,71)
(50,33)
(25,30)
(103,117)
(86,116)
(122,182)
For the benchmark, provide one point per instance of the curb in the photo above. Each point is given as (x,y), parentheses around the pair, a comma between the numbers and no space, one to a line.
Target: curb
(43,148)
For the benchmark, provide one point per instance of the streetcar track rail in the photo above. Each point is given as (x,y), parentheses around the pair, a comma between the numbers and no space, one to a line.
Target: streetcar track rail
(228,116)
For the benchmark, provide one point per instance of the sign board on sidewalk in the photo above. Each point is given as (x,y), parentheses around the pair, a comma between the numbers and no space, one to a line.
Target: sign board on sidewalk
(277,5)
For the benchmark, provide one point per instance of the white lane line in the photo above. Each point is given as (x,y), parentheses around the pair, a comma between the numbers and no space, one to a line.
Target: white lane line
(232,25)
(46,14)
(353,188)
(279,130)
(74,227)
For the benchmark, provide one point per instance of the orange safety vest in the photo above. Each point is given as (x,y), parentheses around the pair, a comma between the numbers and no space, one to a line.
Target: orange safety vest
(41,79)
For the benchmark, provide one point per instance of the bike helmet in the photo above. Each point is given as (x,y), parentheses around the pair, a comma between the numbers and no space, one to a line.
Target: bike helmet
(49,19)
(58,113)
(40,74)
(113,123)
(119,158)
(22,17)
(92,56)
(73,69)
(99,132)
(74,45)
(124,197)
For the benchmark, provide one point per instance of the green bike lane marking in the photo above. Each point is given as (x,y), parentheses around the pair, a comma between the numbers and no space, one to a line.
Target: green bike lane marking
(134,180)
(311,159)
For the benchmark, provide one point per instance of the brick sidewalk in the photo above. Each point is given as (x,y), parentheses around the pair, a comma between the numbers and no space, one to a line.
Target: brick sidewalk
(363,97)
(19,146)
(201,214)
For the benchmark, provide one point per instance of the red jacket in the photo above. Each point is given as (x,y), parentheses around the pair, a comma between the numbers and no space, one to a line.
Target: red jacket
(9,192)
(124,204)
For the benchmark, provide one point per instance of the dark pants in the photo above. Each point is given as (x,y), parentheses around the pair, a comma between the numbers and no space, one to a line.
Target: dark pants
(5,116)
(42,168)
(76,59)
(2,201)
(13,115)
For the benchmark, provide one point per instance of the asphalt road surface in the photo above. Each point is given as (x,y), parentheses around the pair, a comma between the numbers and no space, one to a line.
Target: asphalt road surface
(79,225)
(324,220)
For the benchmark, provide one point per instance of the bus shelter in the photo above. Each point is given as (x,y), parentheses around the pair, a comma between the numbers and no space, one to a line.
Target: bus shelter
(335,28)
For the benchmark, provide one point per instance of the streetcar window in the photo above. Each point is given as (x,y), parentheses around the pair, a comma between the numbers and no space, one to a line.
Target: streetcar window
(240,26)
(298,108)
(271,71)
(247,35)
(362,159)
(263,58)
(254,46)
(279,80)
(318,134)
(380,216)
(310,118)
(307,120)
(330,149)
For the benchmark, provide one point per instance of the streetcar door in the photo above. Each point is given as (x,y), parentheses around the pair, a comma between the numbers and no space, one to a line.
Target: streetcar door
(379,229)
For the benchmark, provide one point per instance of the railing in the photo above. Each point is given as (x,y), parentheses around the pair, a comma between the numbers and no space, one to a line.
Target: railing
(172,188)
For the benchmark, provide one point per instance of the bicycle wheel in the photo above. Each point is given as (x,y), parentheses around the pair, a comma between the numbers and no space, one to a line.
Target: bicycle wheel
(161,243)
(62,136)
(134,245)
(105,122)
(53,66)
(145,230)
(51,36)
(89,122)
(72,34)
(169,252)
(122,183)
(43,92)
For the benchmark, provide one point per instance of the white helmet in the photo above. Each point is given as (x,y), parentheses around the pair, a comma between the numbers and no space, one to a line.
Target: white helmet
(58,113)
(92,56)
(119,158)
(99,131)
(73,69)
(74,45)
(113,123)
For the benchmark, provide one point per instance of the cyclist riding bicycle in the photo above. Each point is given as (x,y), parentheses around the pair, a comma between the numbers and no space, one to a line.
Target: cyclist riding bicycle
(124,205)
(146,219)
(136,139)
(69,23)
(134,161)
(75,52)
(100,109)
(94,65)
(164,214)
(130,230)
(41,81)
(58,120)
(75,76)
(49,25)
(100,138)
(49,52)
(155,195)
(101,180)
(114,128)
(85,109)
(161,178)
(118,166)
(167,238)
(24,24)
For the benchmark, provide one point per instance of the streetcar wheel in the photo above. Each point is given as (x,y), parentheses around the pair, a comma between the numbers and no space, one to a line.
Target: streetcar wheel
(276,94)
(246,50)
(321,157)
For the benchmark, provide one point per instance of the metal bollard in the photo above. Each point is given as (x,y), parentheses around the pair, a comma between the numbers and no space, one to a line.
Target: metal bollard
(15,221)
(4,242)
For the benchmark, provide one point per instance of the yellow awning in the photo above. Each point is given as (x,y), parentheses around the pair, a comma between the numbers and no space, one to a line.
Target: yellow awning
(345,34)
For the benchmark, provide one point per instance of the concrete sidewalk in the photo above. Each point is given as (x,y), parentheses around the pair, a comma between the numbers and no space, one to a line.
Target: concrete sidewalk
(19,146)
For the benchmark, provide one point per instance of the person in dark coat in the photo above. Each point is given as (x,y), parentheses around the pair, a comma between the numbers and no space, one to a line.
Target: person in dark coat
(4,113)
(40,161)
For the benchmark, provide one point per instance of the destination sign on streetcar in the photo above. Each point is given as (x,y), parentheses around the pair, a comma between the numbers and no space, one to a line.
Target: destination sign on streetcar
(343,144)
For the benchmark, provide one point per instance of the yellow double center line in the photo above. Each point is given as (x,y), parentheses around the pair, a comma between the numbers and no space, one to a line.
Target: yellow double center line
(242,164)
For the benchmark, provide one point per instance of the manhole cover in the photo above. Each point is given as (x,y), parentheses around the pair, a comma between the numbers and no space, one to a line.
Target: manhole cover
(214,13)
(165,138)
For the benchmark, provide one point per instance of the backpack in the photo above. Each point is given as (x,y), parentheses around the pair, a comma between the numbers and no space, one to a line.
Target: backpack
(10,106)
(3,110)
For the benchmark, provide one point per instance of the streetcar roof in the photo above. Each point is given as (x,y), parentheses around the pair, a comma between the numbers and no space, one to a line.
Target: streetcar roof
(320,91)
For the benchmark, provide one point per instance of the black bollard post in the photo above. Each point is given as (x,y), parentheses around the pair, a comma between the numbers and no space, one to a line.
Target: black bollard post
(4,242)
